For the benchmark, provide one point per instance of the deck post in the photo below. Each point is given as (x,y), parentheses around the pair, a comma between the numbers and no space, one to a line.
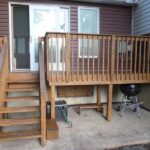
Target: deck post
(99,98)
(43,118)
(52,99)
(109,102)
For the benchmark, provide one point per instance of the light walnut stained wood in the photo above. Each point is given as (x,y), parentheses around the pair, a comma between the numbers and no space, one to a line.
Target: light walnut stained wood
(3,72)
(99,98)
(111,66)
(52,129)
(19,109)
(14,122)
(109,102)
(20,135)
(43,92)
(75,91)
(120,60)
(22,82)
(115,63)
(52,100)
(21,90)
(21,98)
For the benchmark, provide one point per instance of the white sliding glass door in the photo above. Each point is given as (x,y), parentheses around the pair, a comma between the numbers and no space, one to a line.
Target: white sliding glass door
(45,19)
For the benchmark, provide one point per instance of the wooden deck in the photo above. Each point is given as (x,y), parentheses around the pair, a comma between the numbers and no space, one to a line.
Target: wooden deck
(92,59)
(68,59)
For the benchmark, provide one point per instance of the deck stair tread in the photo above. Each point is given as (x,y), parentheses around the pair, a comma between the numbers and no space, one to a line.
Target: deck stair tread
(20,109)
(18,135)
(22,81)
(21,98)
(21,89)
(13,122)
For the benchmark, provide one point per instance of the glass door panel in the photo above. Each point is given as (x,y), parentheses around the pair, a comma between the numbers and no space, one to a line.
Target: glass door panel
(21,53)
(46,19)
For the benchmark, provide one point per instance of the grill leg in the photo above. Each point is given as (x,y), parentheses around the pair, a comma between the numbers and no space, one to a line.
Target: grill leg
(137,106)
(124,100)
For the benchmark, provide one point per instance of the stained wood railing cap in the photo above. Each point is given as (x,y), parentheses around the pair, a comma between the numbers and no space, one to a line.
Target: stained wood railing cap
(71,33)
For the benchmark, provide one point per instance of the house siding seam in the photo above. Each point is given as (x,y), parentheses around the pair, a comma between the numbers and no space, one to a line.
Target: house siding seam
(141,18)
(113,19)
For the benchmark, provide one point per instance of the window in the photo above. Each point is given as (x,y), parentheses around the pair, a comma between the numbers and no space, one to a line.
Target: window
(124,47)
(88,23)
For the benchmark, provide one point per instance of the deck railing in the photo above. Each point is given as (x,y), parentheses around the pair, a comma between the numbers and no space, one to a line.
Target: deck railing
(97,59)
(132,59)
(3,70)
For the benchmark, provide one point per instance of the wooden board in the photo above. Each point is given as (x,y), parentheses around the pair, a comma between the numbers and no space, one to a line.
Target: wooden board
(52,129)
(75,91)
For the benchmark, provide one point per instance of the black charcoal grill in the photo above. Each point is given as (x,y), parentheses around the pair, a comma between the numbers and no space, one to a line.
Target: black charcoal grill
(130,89)
(129,100)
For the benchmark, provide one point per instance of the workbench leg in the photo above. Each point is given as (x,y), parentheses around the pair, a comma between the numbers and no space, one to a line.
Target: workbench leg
(109,102)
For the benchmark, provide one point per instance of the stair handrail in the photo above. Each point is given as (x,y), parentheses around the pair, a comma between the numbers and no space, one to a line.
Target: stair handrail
(41,67)
(43,91)
(3,53)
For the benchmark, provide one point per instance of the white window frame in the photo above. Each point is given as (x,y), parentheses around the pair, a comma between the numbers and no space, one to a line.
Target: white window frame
(79,28)
(98,17)
(12,68)
(124,47)
(34,64)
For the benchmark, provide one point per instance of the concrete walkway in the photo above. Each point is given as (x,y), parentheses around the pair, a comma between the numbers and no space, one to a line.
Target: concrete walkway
(90,131)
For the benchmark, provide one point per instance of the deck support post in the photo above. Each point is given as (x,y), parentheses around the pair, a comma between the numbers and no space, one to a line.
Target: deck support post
(43,118)
(109,102)
(99,99)
(52,99)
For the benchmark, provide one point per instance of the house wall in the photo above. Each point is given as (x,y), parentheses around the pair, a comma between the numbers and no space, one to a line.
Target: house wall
(141,18)
(113,20)
(144,95)
(117,96)
(141,26)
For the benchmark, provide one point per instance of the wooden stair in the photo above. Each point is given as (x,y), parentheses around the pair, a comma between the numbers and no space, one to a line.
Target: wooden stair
(21,98)
(24,86)
(16,88)
(13,122)
(28,134)
(22,81)
(20,109)
(21,90)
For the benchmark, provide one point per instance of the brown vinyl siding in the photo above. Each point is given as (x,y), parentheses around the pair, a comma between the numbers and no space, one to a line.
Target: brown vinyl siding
(4,17)
(113,19)
(116,20)
(74,19)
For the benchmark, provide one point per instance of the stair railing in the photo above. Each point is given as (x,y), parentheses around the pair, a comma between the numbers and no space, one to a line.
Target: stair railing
(43,92)
(3,69)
